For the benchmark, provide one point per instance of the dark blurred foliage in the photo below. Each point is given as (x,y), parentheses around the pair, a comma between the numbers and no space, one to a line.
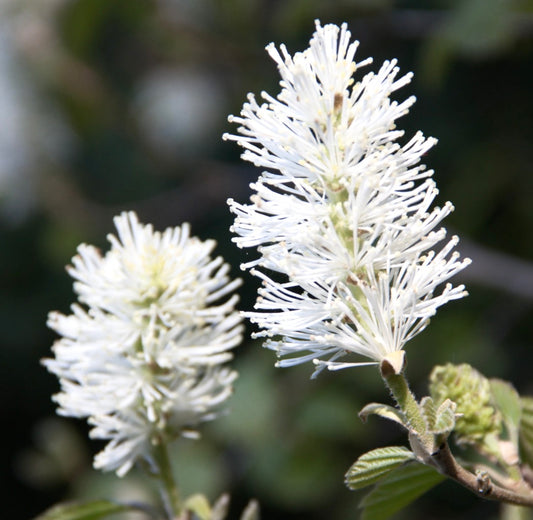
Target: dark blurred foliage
(112,105)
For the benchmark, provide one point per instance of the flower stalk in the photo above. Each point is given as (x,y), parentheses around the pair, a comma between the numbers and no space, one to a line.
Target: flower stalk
(343,220)
(168,486)
(406,401)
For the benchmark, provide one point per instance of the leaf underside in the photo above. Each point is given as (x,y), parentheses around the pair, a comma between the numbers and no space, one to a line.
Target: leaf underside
(385,411)
(401,486)
(85,510)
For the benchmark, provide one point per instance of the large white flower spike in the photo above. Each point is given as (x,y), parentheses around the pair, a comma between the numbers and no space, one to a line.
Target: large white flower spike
(342,214)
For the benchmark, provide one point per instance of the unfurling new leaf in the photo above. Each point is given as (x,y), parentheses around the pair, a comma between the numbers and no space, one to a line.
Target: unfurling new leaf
(385,411)
(439,420)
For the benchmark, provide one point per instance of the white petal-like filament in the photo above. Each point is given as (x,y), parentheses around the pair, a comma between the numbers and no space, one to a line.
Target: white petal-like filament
(143,361)
(342,214)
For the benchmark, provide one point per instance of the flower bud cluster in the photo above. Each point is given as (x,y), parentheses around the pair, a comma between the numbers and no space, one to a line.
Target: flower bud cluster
(476,416)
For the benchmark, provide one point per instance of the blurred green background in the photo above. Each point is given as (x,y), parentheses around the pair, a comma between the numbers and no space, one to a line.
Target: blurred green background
(107,105)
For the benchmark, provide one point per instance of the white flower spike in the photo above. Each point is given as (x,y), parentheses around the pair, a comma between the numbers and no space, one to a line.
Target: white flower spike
(342,216)
(143,363)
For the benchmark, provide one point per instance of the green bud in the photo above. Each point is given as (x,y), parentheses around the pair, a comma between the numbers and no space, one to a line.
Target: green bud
(470,390)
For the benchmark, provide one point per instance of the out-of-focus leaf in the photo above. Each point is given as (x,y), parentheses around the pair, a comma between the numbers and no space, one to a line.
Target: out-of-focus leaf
(526,431)
(512,512)
(401,487)
(85,511)
(507,401)
(376,464)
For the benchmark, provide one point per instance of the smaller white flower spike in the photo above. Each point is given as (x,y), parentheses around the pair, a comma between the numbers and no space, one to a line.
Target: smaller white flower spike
(342,214)
(143,362)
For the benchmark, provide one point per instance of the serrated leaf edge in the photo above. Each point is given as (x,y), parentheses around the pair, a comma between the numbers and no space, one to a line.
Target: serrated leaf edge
(375,465)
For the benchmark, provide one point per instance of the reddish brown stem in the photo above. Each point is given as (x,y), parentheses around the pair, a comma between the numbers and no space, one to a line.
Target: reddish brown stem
(483,487)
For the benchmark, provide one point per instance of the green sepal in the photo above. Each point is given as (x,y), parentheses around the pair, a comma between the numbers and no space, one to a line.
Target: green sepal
(220,507)
(506,399)
(375,465)
(439,420)
(526,431)
(385,411)
(86,510)
(251,512)
(402,486)
(199,506)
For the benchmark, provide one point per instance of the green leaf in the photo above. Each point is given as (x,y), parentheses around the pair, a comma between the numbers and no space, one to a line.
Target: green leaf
(401,487)
(85,510)
(512,512)
(507,401)
(526,431)
(383,410)
(376,464)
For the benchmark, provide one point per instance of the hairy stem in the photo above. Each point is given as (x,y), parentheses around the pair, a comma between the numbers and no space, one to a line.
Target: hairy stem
(440,456)
(397,384)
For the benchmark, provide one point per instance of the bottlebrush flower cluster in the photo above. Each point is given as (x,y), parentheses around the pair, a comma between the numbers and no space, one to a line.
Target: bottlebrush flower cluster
(342,214)
(142,357)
